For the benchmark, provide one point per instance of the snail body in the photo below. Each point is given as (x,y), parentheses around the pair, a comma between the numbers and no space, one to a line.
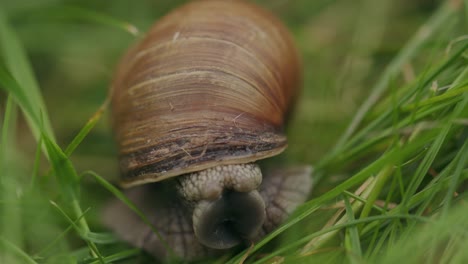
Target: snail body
(195,103)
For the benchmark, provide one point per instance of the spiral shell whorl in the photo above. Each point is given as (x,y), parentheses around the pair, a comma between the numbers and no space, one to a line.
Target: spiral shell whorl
(210,84)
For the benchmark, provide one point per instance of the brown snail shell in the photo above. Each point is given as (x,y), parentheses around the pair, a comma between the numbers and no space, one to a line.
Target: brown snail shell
(202,96)
(210,84)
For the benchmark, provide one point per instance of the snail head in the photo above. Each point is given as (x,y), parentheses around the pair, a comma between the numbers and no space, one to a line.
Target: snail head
(227,208)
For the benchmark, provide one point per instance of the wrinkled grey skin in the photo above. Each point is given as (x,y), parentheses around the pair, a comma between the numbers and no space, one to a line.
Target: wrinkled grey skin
(280,192)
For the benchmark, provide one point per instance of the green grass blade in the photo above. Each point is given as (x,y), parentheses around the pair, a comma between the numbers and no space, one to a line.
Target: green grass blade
(101,238)
(11,215)
(381,180)
(9,83)
(462,163)
(98,238)
(86,129)
(385,116)
(119,195)
(436,23)
(17,63)
(120,256)
(75,13)
(352,241)
(8,123)
(37,159)
(64,171)
(459,112)
(81,229)
(434,237)
(7,245)
(436,99)
(364,201)
(307,238)
(68,181)
(53,243)
(72,222)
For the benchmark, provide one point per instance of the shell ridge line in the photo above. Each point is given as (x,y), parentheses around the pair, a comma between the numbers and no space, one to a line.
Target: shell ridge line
(170,42)
(185,73)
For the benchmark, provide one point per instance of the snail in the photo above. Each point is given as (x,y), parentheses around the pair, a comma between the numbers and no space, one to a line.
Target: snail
(195,103)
